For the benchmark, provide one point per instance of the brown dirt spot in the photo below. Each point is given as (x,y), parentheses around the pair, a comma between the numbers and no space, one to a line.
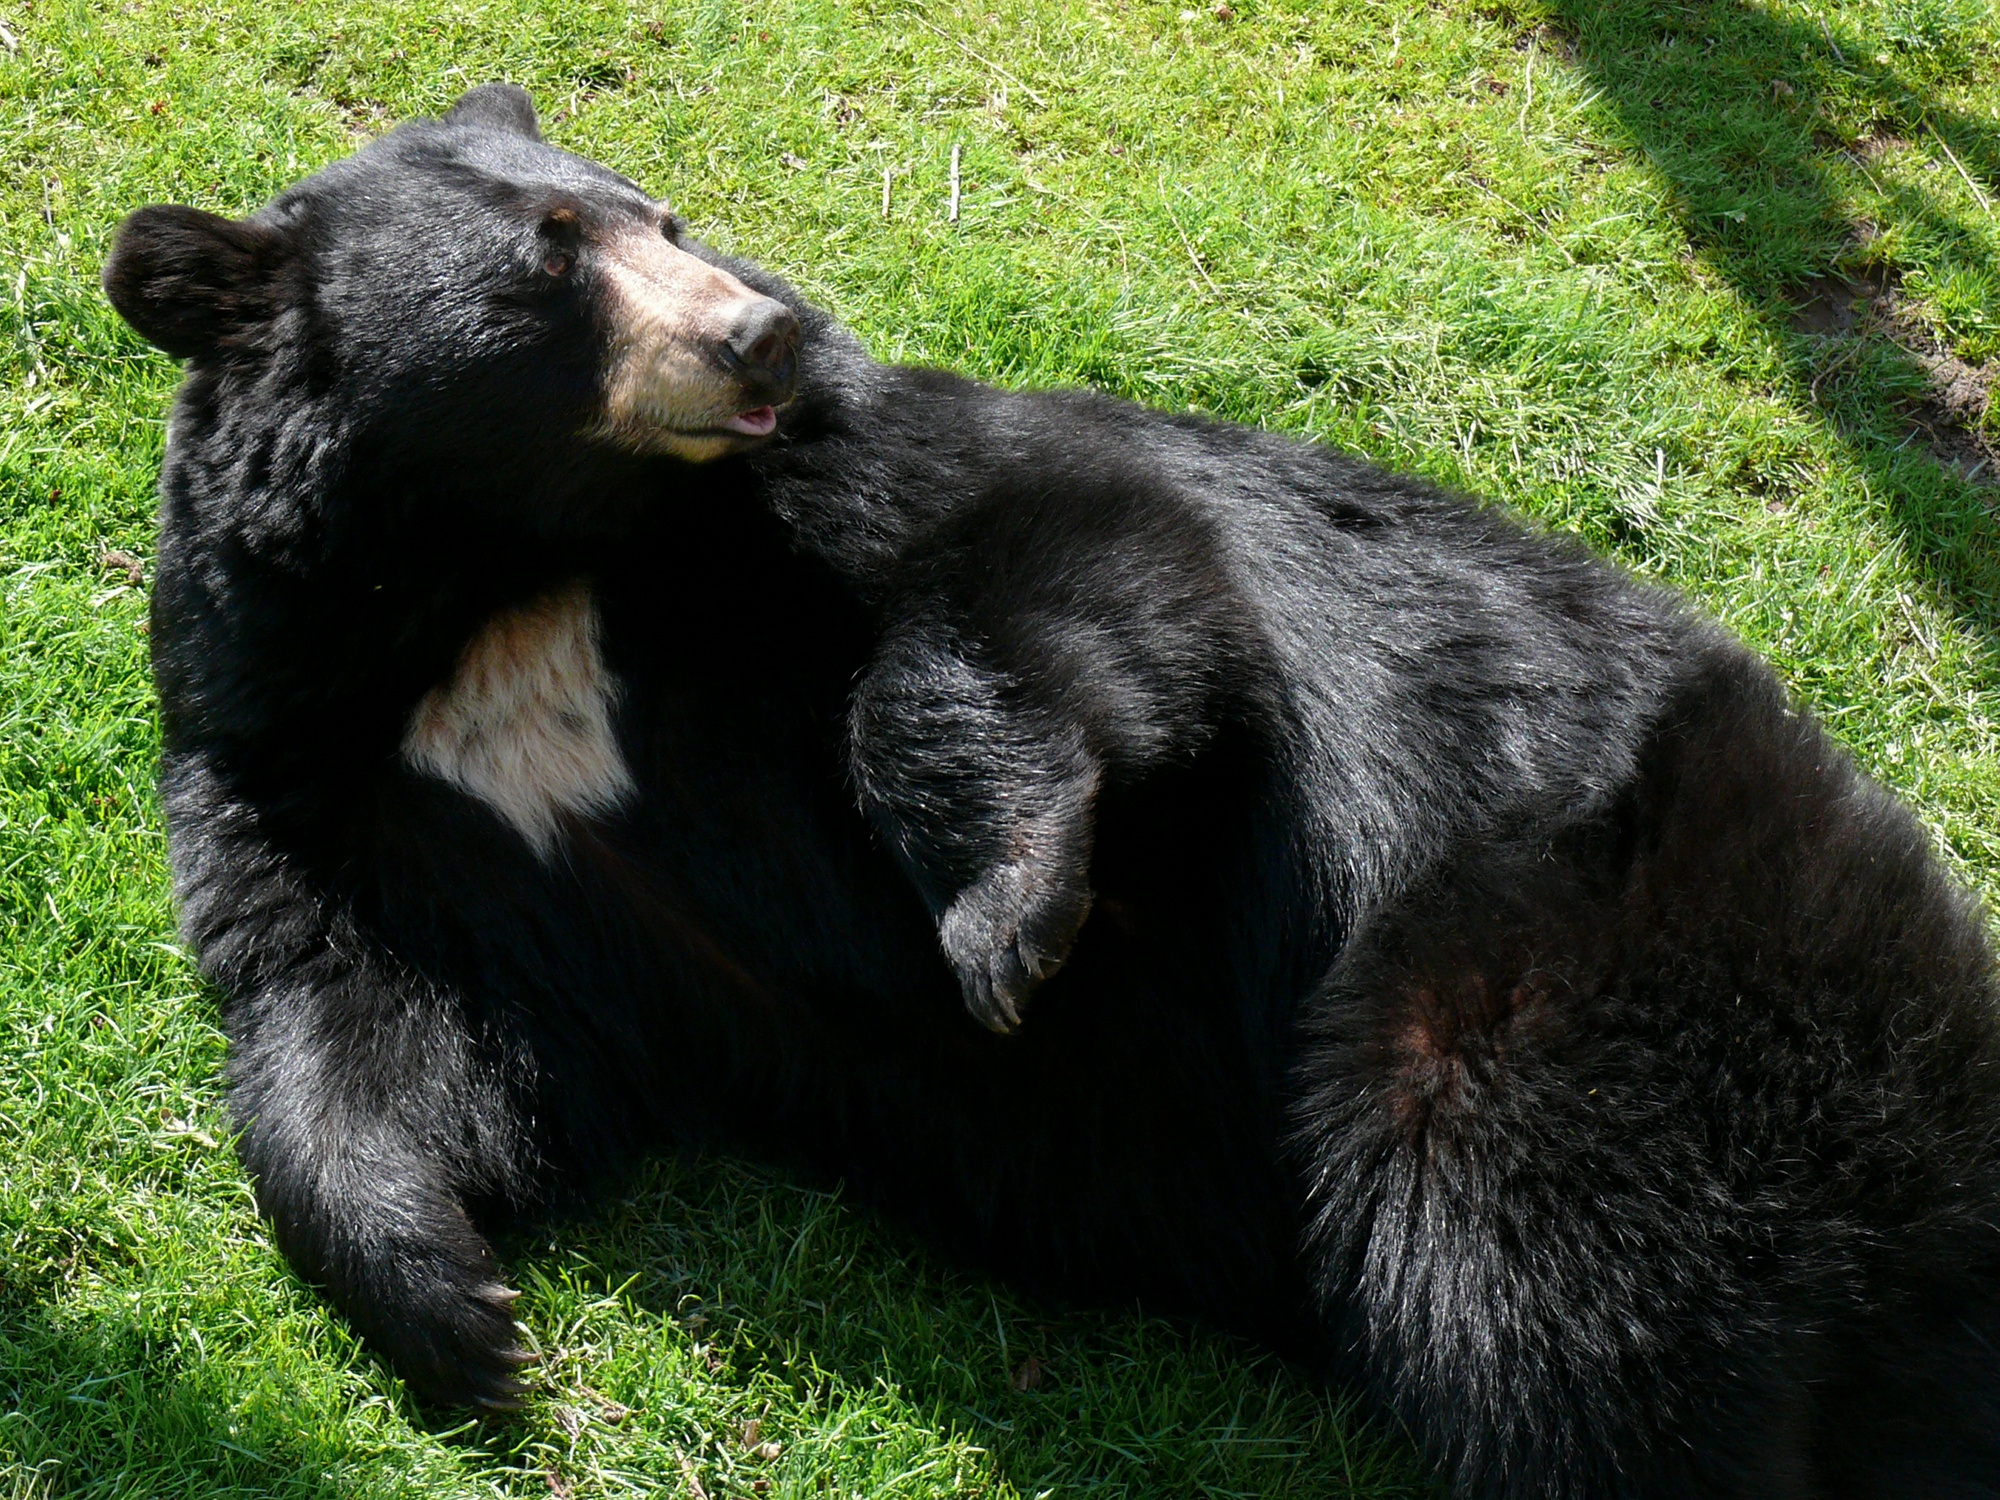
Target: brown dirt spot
(1948,418)
(364,119)
(1878,141)
(1550,37)
(1838,306)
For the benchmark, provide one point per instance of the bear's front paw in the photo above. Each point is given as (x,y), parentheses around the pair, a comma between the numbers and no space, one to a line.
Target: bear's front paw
(457,1345)
(1006,933)
(488,1361)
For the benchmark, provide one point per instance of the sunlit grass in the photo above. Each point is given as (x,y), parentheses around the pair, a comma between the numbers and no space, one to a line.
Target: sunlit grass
(1547,251)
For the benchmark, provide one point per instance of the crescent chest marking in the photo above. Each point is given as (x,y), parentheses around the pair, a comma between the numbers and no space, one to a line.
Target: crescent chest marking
(524,723)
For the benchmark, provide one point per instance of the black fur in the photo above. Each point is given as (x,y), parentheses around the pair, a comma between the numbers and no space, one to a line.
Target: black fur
(1473,971)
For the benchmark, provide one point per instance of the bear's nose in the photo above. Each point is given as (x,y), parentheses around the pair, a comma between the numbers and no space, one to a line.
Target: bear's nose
(762,349)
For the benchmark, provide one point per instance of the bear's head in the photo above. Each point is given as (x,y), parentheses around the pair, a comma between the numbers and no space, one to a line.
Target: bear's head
(462,280)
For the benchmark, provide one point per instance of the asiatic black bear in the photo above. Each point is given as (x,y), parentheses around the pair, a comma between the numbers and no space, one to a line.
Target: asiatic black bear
(603,708)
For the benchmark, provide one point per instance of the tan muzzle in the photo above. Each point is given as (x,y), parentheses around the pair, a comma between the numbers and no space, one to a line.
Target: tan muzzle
(698,362)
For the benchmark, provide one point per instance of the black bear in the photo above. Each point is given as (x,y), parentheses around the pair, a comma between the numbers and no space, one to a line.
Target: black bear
(604,709)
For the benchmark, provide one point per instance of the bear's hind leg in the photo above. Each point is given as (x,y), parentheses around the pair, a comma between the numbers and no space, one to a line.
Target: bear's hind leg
(1516,1238)
(1607,1201)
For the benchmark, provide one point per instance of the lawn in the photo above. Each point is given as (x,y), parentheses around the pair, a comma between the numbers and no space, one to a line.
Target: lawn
(1715,286)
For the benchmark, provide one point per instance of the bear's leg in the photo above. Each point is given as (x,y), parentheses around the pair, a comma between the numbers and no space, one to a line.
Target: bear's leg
(1606,1201)
(988,802)
(1513,1249)
(368,1120)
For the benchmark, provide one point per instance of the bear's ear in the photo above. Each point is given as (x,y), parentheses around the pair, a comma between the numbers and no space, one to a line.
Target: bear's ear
(503,106)
(187,279)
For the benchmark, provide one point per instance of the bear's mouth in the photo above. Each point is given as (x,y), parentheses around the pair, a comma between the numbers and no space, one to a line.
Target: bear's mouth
(758,421)
(650,429)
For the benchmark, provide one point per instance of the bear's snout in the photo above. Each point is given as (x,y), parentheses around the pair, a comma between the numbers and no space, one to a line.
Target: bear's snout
(762,350)
(698,361)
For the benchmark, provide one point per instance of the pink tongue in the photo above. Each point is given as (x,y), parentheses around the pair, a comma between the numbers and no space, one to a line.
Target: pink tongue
(755,422)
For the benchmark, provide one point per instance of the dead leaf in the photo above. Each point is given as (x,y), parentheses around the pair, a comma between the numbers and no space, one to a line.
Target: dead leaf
(110,560)
(695,1491)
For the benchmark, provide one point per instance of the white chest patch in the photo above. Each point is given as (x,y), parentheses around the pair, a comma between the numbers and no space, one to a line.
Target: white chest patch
(524,723)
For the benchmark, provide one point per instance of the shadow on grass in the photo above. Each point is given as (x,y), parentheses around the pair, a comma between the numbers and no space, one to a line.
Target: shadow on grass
(1722,98)
(782,1290)
(710,1297)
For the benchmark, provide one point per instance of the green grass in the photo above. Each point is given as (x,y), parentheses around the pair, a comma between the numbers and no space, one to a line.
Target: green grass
(1548,250)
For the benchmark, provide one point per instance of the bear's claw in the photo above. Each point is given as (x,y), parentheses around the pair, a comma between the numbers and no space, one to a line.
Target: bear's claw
(504,1390)
(463,1351)
(1006,934)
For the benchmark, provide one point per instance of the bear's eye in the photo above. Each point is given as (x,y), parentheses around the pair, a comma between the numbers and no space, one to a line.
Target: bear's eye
(559,263)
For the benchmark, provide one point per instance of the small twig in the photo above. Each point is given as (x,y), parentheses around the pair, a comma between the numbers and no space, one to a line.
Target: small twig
(1862,167)
(1827,32)
(1173,219)
(695,1490)
(953,215)
(887,173)
(1952,156)
(982,60)
(1916,629)
(1841,360)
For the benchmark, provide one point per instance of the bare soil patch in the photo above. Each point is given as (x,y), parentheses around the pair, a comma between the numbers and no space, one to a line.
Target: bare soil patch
(1948,418)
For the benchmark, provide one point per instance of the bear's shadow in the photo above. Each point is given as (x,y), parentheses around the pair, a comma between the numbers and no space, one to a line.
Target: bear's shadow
(760,1289)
